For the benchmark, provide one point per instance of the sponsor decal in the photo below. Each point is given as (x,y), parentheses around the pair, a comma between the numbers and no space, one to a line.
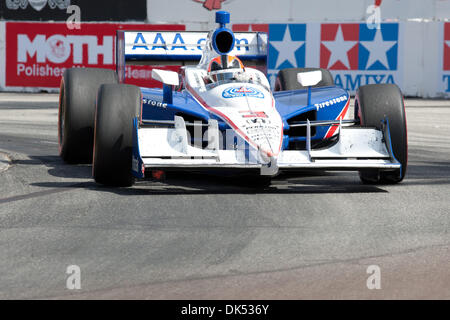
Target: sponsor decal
(253,114)
(258,121)
(234,92)
(331,102)
(38,53)
(211,4)
(153,103)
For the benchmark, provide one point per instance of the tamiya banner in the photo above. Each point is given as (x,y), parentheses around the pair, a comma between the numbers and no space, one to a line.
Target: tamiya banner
(38,53)
(355,54)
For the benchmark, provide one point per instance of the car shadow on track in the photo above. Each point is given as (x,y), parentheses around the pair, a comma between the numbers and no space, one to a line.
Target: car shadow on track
(57,167)
(186,183)
(419,173)
(145,188)
(200,183)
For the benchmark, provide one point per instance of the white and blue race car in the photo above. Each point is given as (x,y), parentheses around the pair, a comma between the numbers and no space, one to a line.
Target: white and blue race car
(216,114)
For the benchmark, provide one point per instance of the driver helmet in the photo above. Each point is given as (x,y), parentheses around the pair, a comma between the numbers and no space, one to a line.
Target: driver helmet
(224,67)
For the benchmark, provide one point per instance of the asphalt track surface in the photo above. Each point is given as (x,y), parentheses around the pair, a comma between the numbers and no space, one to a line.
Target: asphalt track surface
(203,237)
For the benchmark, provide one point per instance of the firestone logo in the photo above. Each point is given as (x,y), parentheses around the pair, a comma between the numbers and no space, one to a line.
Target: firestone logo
(58,49)
(211,4)
(37,5)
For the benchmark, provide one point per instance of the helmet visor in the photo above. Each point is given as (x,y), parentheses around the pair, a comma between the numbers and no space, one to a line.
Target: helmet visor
(223,76)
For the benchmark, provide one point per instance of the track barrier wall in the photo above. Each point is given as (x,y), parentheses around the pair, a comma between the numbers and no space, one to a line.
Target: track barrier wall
(411,47)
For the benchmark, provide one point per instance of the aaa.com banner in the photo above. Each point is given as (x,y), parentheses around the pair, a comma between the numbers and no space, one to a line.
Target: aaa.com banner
(38,53)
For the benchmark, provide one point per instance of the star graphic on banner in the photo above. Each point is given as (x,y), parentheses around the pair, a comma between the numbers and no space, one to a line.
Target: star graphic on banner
(339,48)
(447,43)
(286,49)
(378,49)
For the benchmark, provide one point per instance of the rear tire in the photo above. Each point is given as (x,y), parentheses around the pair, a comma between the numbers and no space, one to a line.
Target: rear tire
(374,103)
(287,79)
(117,106)
(78,92)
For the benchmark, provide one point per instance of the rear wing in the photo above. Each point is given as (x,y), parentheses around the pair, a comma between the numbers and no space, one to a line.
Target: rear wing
(181,48)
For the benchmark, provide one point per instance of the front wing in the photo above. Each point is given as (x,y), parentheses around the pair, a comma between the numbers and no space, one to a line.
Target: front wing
(164,145)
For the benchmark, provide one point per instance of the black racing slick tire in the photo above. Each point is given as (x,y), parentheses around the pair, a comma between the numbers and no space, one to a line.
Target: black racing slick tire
(117,106)
(287,79)
(78,91)
(374,103)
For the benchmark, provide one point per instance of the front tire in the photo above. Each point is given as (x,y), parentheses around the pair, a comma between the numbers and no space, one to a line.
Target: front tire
(374,103)
(117,106)
(78,92)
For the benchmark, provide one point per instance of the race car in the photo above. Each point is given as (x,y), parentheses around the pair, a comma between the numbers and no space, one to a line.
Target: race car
(219,113)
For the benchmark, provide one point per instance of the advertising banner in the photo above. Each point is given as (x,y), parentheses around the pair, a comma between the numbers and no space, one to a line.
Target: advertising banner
(355,54)
(61,10)
(414,55)
(188,45)
(444,76)
(38,53)
(199,12)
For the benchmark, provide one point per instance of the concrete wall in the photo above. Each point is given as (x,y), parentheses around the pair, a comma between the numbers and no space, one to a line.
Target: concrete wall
(423,46)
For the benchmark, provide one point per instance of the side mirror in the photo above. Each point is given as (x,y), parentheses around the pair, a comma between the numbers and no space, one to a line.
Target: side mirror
(169,80)
(308,79)
(165,76)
